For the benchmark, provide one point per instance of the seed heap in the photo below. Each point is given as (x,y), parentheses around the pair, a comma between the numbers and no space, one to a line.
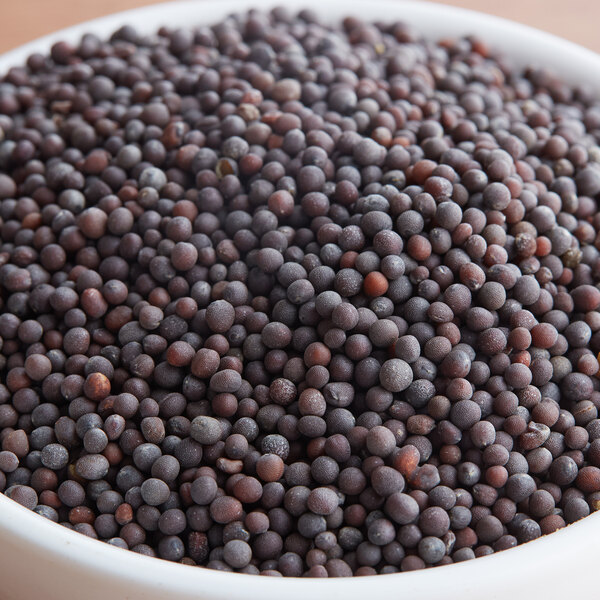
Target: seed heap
(291,299)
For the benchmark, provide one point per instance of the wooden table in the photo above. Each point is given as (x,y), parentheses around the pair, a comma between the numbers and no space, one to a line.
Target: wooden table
(25,20)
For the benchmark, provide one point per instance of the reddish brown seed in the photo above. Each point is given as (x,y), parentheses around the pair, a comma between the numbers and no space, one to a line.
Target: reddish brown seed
(248,490)
(588,480)
(551,523)
(535,436)
(93,303)
(17,443)
(225,509)
(544,335)
(317,353)
(348,259)
(269,467)
(81,514)
(406,460)
(375,284)
(419,247)
(124,514)
(180,354)
(586,298)
(205,363)
(281,203)
(96,386)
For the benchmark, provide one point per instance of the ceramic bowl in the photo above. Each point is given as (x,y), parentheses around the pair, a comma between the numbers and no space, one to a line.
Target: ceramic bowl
(43,561)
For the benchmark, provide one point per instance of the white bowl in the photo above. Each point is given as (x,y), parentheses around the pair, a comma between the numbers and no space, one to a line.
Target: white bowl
(42,560)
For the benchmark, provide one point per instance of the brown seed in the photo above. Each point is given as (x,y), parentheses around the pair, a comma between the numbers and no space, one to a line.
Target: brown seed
(96,386)
(588,480)
(17,443)
(269,467)
(375,284)
(406,460)
(124,514)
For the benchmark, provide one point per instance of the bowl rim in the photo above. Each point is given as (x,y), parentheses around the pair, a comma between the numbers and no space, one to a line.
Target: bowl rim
(573,63)
(499,32)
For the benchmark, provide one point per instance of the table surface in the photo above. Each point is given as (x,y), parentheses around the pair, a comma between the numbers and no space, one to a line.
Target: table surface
(25,20)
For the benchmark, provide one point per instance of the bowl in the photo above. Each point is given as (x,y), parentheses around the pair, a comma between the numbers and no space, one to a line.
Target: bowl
(40,559)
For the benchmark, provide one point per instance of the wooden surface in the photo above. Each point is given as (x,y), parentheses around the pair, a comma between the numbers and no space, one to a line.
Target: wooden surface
(25,20)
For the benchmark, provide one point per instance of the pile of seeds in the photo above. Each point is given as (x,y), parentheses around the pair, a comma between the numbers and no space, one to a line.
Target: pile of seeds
(291,299)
